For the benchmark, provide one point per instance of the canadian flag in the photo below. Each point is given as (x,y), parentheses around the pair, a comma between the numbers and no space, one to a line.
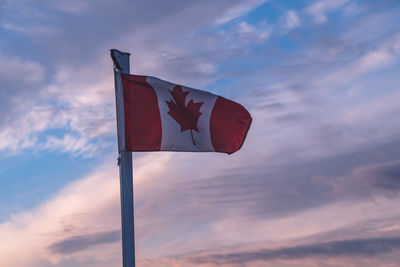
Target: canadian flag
(160,115)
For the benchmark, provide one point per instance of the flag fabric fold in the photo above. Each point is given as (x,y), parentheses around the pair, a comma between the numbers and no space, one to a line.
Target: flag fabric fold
(162,116)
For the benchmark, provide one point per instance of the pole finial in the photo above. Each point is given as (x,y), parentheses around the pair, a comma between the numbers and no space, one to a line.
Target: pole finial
(121,60)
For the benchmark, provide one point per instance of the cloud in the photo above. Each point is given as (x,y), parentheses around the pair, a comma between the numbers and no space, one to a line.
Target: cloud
(83,242)
(251,34)
(292,20)
(29,29)
(272,192)
(383,178)
(381,57)
(238,10)
(366,242)
(20,133)
(84,208)
(70,144)
(84,98)
(79,225)
(359,247)
(320,9)
(73,6)
(384,53)
(79,102)
(14,69)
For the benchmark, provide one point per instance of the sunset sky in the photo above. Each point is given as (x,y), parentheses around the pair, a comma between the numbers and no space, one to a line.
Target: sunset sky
(316,182)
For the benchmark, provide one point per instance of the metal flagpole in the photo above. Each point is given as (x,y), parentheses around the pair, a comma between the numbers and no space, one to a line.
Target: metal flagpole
(121,65)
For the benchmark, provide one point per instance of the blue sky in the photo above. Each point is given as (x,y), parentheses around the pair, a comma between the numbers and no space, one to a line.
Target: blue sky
(316,183)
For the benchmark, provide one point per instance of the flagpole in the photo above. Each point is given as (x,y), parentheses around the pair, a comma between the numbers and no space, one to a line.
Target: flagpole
(121,65)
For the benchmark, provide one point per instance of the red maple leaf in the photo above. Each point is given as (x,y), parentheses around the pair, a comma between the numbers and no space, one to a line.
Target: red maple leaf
(186,116)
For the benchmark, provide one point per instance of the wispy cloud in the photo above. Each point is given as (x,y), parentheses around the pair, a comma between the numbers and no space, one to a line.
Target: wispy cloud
(320,9)
(85,208)
(238,10)
(382,56)
(292,20)
(12,67)
(20,133)
(358,247)
(70,144)
(74,6)
(83,242)
(29,29)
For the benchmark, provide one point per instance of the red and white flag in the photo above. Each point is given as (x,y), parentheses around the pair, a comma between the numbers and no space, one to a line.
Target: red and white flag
(160,115)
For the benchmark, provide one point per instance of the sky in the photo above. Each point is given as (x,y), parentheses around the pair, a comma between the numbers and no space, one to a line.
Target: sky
(316,182)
